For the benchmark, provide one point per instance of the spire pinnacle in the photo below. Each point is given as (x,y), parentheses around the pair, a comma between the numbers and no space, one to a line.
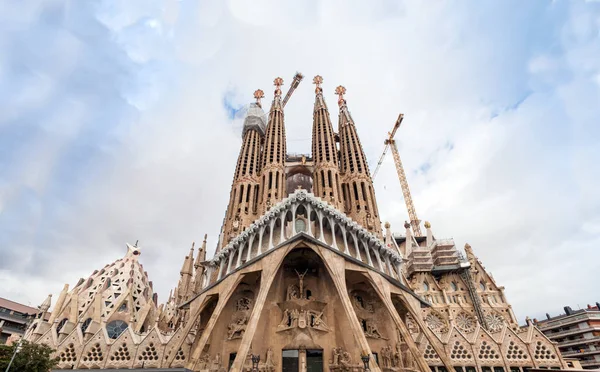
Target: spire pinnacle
(278,82)
(258,94)
(318,80)
(340,91)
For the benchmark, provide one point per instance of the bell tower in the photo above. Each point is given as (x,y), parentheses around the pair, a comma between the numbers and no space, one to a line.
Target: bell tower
(324,151)
(273,156)
(357,185)
(243,206)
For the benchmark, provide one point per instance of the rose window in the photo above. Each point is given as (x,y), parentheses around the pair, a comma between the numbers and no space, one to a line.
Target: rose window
(466,322)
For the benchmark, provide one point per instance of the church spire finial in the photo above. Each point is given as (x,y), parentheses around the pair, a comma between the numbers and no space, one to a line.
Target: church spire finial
(278,82)
(318,80)
(340,91)
(258,95)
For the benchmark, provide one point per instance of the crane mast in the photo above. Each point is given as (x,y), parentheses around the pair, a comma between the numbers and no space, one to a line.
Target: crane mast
(390,142)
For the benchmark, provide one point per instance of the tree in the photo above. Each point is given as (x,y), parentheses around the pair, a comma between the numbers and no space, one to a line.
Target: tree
(30,358)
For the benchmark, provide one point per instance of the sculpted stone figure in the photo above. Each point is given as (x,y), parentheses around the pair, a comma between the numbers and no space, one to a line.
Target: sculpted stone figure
(216,364)
(386,359)
(345,358)
(292,292)
(398,362)
(204,361)
(335,359)
(270,362)
(295,314)
(372,330)
(285,319)
(236,329)
(409,360)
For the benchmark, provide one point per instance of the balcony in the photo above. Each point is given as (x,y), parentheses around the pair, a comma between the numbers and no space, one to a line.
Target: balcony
(10,329)
(568,320)
(590,363)
(580,353)
(572,331)
(13,318)
(579,341)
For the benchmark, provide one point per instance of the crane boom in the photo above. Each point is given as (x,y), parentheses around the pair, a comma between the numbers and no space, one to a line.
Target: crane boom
(380,161)
(390,142)
(297,79)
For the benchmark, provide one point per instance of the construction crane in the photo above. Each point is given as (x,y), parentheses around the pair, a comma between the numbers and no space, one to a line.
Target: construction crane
(297,79)
(390,142)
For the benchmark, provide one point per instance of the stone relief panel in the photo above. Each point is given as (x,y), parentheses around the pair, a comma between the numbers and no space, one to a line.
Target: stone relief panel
(366,308)
(241,314)
(412,325)
(301,309)
(395,358)
(341,361)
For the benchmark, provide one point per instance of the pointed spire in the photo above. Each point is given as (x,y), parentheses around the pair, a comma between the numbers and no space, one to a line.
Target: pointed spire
(273,155)
(243,198)
(45,306)
(201,256)
(73,313)
(326,177)
(59,304)
(188,262)
(357,186)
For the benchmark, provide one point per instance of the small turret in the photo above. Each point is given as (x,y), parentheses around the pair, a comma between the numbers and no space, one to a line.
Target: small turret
(45,306)
(199,268)
(429,233)
(388,235)
(59,303)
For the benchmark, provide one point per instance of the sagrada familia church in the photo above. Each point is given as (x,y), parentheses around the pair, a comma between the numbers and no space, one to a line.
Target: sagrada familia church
(304,279)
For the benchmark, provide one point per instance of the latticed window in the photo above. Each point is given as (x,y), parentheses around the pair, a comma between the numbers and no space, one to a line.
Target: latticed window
(115,328)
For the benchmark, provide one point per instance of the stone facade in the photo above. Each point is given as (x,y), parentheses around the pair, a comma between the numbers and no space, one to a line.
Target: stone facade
(303,277)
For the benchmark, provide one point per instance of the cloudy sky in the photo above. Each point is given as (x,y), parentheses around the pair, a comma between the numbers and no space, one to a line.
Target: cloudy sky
(119,121)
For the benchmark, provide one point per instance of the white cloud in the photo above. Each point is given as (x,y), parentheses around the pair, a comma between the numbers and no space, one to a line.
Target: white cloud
(497,139)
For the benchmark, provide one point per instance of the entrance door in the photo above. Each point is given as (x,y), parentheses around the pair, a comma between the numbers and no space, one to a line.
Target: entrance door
(314,360)
(289,360)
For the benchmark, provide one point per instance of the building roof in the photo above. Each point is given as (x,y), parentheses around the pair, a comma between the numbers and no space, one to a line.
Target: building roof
(15,306)
(570,312)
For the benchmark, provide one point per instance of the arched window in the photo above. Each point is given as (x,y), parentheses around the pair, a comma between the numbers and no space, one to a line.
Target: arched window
(482,285)
(425,286)
(454,286)
(115,328)
(61,324)
(85,324)
(300,225)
